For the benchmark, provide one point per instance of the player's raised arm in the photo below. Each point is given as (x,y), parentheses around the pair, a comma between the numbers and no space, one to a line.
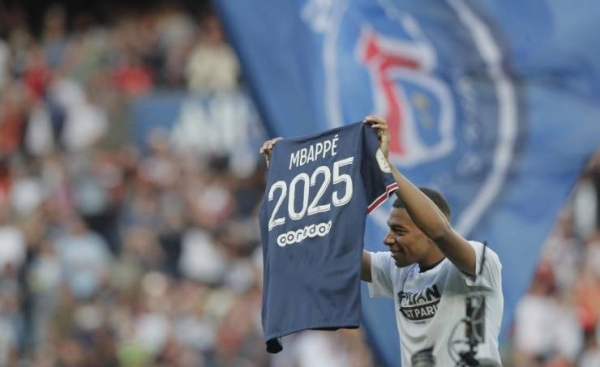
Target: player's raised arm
(425,213)
(365,267)
(267,147)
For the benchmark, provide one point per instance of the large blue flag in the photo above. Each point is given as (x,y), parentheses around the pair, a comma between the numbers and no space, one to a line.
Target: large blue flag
(494,102)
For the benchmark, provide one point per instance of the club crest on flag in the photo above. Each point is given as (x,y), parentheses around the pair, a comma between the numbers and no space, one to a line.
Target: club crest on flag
(443,112)
(417,107)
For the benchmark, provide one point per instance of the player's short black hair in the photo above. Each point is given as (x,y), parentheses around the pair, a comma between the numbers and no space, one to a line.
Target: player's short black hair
(438,199)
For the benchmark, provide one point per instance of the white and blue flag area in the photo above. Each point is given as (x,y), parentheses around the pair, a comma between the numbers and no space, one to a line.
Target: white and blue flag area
(494,103)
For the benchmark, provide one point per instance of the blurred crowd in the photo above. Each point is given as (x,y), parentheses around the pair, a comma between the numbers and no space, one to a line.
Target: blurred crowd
(115,256)
(557,322)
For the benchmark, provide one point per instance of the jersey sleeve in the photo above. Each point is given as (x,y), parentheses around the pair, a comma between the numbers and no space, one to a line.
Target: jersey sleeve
(378,181)
(488,268)
(381,285)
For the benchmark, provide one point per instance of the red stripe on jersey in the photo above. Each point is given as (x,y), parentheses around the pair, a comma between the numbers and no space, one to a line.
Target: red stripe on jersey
(388,190)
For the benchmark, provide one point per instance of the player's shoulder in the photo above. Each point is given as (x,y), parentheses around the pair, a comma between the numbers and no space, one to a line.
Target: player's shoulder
(380,258)
(384,260)
(483,249)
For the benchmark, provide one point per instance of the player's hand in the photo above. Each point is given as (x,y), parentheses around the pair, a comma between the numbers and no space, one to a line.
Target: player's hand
(267,147)
(379,124)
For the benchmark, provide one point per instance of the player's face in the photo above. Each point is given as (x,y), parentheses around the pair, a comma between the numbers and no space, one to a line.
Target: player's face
(407,243)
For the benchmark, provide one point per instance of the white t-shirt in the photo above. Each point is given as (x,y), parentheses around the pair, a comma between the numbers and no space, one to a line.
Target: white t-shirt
(430,305)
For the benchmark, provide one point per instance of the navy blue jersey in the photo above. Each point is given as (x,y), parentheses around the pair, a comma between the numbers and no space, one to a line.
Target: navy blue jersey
(319,190)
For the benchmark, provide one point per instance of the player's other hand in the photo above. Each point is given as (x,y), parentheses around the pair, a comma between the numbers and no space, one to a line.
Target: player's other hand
(267,147)
(379,124)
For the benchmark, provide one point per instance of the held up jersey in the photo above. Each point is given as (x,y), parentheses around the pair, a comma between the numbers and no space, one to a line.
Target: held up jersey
(319,190)
(430,305)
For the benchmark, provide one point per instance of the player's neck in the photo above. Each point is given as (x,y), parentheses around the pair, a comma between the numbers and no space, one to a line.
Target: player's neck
(431,261)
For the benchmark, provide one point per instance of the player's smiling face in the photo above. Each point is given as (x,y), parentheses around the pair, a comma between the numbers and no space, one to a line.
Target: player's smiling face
(407,243)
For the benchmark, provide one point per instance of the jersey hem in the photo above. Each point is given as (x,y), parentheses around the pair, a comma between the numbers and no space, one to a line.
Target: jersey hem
(336,325)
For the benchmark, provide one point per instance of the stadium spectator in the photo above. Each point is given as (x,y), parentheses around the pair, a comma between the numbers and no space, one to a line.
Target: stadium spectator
(4,61)
(12,251)
(212,64)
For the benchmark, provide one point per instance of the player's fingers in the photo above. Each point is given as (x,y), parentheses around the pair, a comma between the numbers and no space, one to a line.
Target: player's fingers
(379,127)
(271,143)
(267,145)
(372,119)
(274,141)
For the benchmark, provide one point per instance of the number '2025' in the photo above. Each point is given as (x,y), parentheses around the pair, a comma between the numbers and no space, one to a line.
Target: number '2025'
(341,195)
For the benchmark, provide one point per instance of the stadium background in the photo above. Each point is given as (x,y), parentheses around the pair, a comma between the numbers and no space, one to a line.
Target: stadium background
(129,185)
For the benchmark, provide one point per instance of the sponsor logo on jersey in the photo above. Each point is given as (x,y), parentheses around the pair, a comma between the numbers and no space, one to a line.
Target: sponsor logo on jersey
(297,236)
